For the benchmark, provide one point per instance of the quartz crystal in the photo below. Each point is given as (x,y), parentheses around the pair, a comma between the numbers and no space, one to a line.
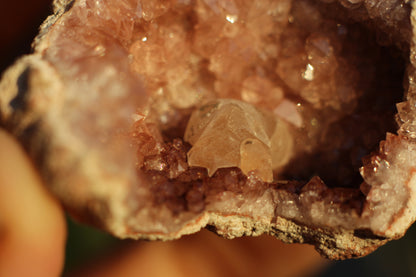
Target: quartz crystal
(153,119)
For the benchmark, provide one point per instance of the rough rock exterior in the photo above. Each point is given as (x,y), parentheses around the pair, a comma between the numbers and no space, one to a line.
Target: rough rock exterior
(86,146)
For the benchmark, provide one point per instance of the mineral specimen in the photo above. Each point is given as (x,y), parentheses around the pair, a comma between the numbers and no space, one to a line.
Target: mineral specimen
(231,133)
(154,119)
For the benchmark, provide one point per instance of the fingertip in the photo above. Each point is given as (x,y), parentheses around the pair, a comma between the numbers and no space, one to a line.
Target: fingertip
(32,223)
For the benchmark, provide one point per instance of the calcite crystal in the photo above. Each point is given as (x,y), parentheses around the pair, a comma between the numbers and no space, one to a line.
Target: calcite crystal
(229,133)
(154,119)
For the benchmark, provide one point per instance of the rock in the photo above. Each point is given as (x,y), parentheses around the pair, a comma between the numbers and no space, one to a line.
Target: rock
(102,106)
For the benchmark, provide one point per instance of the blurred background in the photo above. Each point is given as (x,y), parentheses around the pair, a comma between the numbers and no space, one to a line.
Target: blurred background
(90,252)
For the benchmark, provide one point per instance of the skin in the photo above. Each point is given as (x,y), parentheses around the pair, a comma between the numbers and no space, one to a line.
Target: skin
(32,223)
(204,254)
(33,235)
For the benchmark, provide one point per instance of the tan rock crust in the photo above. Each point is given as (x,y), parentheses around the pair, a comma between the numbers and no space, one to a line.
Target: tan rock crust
(108,137)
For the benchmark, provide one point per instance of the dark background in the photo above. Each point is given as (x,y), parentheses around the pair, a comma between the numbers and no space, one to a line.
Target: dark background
(19,22)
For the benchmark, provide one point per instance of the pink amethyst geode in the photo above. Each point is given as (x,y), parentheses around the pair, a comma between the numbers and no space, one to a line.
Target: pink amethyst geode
(154,119)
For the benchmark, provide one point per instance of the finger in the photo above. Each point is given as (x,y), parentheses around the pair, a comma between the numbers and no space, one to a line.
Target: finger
(205,254)
(32,224)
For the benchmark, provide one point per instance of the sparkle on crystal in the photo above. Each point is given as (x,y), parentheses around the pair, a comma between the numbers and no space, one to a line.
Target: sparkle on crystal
(308,74)
(231,18)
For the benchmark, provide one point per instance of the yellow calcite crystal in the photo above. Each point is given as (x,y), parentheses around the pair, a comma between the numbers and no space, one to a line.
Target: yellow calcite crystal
(232,133)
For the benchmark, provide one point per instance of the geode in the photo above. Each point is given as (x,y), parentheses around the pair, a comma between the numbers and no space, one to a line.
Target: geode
(154,119)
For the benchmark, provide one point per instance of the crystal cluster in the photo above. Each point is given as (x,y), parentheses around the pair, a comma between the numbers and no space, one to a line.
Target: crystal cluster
(281,56)
(310,75)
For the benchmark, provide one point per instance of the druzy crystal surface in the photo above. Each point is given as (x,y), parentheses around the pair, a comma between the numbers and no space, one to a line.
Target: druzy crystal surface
(315,73)
(262,110)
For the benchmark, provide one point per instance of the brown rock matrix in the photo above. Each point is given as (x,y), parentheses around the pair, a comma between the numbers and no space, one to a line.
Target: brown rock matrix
(154,119)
